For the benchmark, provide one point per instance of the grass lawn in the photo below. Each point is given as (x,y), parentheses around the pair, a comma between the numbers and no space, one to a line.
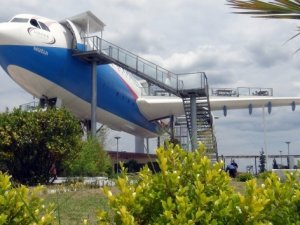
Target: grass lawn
(73,207)
(238,186)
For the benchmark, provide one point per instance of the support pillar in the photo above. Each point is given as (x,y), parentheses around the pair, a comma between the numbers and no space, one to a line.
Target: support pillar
(147,145)
(255,163)
(139,144)
(94,99)
(158,141)
(193,123)
(172,128)
(265,139)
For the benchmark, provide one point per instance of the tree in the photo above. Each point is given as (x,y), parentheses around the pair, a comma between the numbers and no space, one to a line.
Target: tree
(91,160)
(278,9)
(32,142)
(262,162)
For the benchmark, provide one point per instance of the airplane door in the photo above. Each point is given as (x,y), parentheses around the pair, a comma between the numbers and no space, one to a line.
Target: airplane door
(77,40)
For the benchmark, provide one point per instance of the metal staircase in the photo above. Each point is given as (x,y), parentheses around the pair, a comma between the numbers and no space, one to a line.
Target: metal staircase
(189,87)
(204,122)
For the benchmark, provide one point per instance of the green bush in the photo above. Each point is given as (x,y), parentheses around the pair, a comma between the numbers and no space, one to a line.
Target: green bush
(91,160)
(31,142)
(21,206)
(264,175)
(243,177)
(192,190)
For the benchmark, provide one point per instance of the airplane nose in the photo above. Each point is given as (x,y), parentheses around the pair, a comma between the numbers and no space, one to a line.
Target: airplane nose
(5,34)
(2,33)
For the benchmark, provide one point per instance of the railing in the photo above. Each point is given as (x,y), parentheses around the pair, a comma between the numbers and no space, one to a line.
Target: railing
(29,106)
(242,91)
(255,91)
(141,65)
(224,92)
(194,80)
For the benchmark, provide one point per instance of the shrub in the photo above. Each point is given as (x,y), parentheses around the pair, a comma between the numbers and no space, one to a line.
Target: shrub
(32,142)
(243,177)
(191,190)
(91,160)
(264,175)
(22,206)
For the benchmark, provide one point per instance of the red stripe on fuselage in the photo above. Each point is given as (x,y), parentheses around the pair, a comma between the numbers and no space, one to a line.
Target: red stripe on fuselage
(128,86)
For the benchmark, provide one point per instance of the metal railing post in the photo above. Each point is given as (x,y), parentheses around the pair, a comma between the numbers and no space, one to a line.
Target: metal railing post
(110,51)
(100,45)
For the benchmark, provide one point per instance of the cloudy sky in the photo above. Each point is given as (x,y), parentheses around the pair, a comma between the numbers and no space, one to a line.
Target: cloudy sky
(195,35)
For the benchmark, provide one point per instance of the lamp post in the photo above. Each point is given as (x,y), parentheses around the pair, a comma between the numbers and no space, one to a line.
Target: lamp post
(280,159)
(288,158)
(117,138)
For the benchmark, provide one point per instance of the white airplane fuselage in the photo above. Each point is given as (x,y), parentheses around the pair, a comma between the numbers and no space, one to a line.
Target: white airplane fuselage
(36,52)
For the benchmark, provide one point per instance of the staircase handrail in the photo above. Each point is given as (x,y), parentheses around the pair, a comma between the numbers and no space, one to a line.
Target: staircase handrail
(101,46)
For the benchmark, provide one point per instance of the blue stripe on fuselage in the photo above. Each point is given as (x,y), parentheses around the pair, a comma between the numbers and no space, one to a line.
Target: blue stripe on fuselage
(59,66)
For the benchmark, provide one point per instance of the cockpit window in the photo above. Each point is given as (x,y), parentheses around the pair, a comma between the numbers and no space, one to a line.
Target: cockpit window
(33,22)
(39,25)
(44,26)
(19,20)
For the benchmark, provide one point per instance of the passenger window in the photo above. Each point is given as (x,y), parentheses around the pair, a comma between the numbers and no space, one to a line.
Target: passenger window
(34,23)
(44,26)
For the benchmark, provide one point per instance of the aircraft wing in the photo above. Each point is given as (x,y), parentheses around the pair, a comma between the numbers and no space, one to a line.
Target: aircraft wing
(158,107)
(218,103)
